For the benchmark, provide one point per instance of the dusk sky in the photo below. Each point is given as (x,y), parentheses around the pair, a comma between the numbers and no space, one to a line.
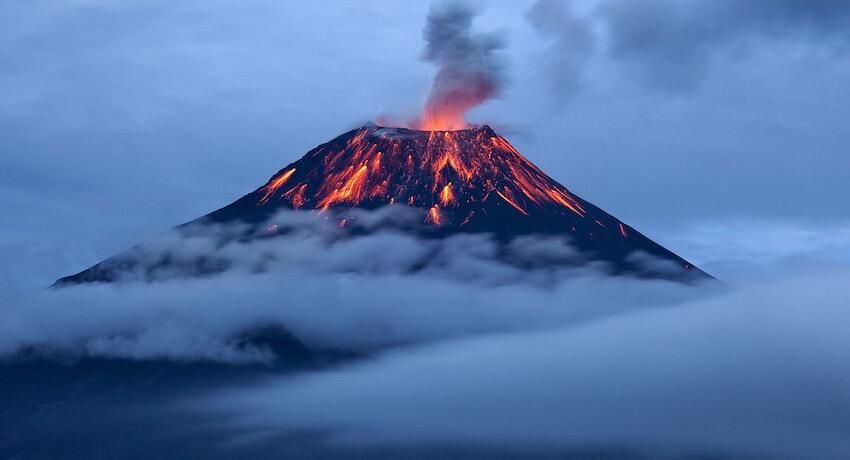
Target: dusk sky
(718,128)
(121,119)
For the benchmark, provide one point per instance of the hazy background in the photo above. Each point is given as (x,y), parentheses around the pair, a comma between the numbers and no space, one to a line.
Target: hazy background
(716,127)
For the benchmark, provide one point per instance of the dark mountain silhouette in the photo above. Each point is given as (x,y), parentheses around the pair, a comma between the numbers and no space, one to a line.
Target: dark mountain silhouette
(465,181)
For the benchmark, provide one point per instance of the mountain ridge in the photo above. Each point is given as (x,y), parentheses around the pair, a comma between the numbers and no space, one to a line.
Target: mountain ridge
(466,181)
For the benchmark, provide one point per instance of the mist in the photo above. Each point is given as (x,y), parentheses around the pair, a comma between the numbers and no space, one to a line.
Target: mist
(759,372)
(353,295)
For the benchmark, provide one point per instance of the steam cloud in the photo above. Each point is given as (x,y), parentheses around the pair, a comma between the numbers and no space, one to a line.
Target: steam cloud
(470,71)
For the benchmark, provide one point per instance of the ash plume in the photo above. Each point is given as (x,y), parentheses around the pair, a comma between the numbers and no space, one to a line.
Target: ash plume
(675,45)
(470,70)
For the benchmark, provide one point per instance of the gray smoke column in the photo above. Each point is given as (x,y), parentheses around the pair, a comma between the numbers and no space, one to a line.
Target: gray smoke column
(470,71)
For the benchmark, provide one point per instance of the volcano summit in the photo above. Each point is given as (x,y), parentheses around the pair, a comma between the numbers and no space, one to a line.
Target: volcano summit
(464,181)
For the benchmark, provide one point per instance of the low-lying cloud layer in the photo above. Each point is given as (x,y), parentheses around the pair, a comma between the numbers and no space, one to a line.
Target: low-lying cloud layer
(352,294)
(760,371)
(478,354)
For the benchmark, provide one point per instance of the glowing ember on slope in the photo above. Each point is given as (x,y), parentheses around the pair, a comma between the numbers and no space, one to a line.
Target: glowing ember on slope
(446,196)
(275,184)
(434,216)
(349,187)
(508,196)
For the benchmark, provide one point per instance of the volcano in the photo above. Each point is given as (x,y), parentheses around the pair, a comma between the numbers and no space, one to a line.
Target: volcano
(463,181)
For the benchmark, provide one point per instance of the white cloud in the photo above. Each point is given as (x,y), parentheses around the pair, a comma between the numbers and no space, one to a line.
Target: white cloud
(758,371)
(351,294)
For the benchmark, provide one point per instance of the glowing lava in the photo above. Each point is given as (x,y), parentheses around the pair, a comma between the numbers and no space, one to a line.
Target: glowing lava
(469,181)
(451,174)
(446,195)
(275,184)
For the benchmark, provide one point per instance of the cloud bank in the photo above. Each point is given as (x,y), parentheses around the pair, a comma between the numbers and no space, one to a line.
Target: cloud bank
(354,294)
(758,372)
(475,353)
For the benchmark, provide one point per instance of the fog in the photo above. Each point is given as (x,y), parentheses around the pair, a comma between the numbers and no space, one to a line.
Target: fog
(468,355)
(758,371)
(357,295)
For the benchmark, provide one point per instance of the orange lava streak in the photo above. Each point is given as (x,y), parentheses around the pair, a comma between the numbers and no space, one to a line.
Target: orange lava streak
(296,195)
(449,154)
(275,184)
(350,191)
(454,171)
(623,231)
(446,195)
(566,201)
(510,200)
(376,162)
(532,182)
(434,216)
(503,144)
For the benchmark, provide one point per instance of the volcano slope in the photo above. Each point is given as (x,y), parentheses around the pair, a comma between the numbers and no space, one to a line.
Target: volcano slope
(469,181)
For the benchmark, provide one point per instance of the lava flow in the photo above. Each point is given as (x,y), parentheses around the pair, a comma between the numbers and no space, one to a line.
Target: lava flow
(465,181)
(450,173)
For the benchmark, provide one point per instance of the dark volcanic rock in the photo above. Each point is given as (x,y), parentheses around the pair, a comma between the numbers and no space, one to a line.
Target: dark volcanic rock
(467,181)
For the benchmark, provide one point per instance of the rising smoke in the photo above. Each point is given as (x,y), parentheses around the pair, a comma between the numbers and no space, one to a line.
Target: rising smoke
(470,70)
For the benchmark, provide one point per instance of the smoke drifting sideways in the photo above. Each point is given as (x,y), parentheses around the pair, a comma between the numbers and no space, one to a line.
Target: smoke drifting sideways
(570,45)
(357,294)
(674,45)
(470,71)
